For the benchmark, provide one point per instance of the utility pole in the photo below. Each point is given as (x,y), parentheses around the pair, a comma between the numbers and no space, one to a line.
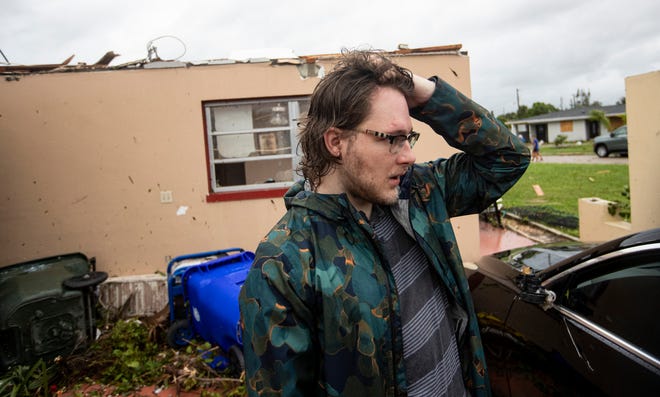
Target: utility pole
(518,98)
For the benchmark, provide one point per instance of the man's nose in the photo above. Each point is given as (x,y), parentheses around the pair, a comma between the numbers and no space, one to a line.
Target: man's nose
(406,155)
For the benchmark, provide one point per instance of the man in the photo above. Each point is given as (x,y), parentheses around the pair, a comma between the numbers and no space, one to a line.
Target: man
(359,290)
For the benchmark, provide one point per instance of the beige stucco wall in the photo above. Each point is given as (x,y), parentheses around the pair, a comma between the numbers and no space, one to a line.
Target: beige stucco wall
(643,112)
(596,222)
(85,155)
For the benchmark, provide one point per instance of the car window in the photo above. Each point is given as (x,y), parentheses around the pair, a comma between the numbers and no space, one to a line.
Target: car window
(624,299)
(621,131)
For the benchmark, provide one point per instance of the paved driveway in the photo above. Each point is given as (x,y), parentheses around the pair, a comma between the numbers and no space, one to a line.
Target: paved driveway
(585,159)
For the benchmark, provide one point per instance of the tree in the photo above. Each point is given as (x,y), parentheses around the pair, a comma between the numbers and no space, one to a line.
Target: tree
(523,111)
(541,108)
(506,117)
(599,116)
(580,99)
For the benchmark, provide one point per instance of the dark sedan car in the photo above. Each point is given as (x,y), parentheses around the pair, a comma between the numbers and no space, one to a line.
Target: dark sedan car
(571,318)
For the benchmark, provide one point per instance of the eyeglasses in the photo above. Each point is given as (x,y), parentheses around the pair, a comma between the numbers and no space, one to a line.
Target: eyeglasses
(396,141)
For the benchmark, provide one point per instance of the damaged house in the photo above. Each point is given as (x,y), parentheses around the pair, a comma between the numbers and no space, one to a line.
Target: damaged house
(138,163)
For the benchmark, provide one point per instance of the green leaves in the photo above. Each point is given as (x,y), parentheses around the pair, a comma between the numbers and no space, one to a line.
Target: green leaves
(621,207)
(23,380)
(599,115)
(126,357)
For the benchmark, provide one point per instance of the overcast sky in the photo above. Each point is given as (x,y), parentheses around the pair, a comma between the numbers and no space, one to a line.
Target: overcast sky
(544,49)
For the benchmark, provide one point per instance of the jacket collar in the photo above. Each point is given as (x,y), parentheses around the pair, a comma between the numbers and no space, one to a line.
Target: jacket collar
(337,207)
(332,206)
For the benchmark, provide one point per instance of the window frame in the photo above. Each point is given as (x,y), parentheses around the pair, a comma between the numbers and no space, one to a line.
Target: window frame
(259,190)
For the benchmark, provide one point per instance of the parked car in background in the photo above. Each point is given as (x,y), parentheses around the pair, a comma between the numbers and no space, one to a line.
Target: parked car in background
(614,142)
(582,319)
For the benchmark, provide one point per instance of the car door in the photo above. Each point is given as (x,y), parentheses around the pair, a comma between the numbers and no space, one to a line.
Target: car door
(611,316)
(619,142)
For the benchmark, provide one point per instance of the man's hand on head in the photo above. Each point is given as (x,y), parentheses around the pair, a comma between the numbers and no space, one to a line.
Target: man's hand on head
(422,93)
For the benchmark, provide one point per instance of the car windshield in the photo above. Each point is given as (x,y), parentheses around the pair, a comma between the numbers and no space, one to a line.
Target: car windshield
(541,258)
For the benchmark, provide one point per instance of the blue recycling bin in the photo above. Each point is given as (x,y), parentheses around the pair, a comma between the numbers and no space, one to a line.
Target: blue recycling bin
(203,296)
(175,270)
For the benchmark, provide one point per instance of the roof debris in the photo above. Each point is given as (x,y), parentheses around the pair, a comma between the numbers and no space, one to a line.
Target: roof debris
(104,61)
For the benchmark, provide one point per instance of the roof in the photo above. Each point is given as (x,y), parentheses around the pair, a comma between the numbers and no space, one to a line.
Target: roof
(581,113)
(103,63)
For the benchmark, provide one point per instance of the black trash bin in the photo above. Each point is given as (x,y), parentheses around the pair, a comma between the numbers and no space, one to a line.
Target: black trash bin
(47,308)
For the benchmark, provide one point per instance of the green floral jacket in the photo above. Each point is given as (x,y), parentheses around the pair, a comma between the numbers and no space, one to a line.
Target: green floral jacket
(319,307)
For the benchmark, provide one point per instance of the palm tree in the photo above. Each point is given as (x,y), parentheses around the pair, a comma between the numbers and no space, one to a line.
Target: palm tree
(599,116)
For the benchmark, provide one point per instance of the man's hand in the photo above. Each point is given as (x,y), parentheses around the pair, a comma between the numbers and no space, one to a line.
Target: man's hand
(422,93)
(423,88)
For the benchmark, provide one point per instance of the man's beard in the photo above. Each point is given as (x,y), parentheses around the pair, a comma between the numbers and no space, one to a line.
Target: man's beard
(359,186)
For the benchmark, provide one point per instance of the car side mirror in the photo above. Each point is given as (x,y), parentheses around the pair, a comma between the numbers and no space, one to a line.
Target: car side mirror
(531,291)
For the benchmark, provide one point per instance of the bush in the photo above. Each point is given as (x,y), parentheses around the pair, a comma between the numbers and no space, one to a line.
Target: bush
(560,140)
(131,354)
(622,207)
(23,380)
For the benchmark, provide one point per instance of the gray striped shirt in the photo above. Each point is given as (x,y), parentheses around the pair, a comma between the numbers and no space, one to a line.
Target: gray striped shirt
(429,345)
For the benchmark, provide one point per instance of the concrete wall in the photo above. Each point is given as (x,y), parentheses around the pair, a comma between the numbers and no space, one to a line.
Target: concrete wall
(596,222)
(643,108)
(85,155)
(642,104)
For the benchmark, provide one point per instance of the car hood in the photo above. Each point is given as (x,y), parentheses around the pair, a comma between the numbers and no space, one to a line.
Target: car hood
(505,266)
(540,257)
(555,257)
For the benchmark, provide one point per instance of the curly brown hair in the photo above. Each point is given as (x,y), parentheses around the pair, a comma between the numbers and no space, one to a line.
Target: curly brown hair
(342,100)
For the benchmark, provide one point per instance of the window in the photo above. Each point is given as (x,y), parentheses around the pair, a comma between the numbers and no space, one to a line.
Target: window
(624,299)
(252,144)
(566,126)
(621,131)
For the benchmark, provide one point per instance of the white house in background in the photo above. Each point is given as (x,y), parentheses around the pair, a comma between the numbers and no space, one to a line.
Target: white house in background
(574,123)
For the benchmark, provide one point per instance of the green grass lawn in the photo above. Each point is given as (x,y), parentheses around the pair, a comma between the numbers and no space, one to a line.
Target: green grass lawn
(549,149)
(563,185)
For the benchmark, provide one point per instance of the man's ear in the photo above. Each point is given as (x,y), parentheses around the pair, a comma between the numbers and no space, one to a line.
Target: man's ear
(332,139)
